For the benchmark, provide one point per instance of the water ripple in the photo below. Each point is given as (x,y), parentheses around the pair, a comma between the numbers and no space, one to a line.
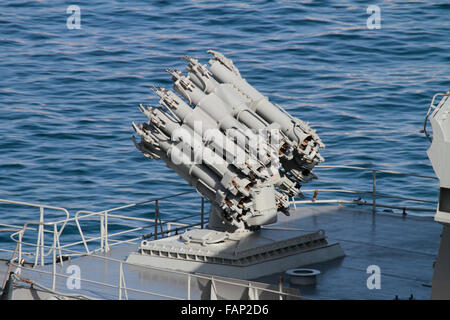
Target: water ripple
(68,97)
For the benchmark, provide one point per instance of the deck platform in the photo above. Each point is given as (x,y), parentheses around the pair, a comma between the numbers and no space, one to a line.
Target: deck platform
(403,247)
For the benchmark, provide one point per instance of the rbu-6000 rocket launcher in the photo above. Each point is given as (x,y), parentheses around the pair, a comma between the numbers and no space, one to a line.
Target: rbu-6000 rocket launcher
(246,155)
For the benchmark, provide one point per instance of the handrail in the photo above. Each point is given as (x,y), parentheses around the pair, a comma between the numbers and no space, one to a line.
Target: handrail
(368,192)
(376,170)
(149,201)
(374,193)
(29,204)
(41,226)
(104,236)
(40,240)
(41,206)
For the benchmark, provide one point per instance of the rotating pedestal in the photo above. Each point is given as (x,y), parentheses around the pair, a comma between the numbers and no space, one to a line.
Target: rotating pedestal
(242,254)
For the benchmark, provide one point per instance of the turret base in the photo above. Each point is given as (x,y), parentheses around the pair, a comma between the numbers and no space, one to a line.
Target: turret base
(243,255)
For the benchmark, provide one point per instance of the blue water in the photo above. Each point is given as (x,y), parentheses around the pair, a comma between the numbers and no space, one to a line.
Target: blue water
(68,97)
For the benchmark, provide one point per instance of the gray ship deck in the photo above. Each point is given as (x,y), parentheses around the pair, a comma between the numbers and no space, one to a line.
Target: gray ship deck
(403,247)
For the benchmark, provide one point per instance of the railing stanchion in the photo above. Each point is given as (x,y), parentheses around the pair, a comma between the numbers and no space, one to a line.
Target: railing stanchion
(156,218)
(106,231)
(42,236)
(120,281)
(213,289)
(374,191)
(61,260)
(55,230)
(189,287)
(102,233)
(203,213)
(20,245)
(40,239)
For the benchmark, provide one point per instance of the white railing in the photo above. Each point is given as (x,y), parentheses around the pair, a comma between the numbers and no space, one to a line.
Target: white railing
(372,193)
(40,227)
(166,227)
(58,251)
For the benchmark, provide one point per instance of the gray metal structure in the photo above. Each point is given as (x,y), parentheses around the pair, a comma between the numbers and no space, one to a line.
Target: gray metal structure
(439,154)
(240,151)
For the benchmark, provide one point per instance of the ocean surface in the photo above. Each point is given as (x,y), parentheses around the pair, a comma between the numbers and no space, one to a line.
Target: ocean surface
(68,96)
